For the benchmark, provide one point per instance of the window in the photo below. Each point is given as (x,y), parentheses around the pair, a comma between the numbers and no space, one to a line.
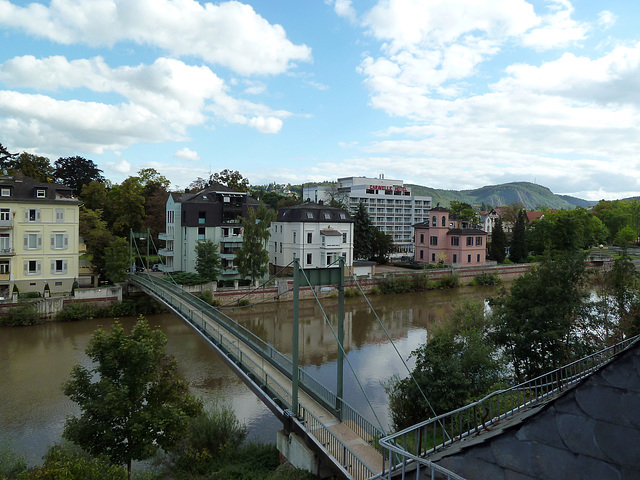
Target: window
(327,216)
(6,192)
(478,260)
(32,241)
(344,238)
(32,267)
(434,222)
(59,215)
(469,241)
(58,266)
(275,246)
(31,215)
(5,214)
(455,241)
(468,258)
(478,241)
(59,241)
(433,240)
(343,216)
(5,242)
(280,247)
(202,217)
(309,215)
(202,233)
(294,237)
(422,239)
(41,193)
(58,284)
(421,254)
(329,260)
(433,257)
(309,237)
(455,258)
(4,267)
(444,221)
(309,258)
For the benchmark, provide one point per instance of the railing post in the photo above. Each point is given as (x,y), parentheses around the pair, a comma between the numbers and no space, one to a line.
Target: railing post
(340,362)
(294,333)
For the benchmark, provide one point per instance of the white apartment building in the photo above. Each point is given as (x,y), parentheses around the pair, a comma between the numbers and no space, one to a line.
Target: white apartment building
(316,234)
(391,206)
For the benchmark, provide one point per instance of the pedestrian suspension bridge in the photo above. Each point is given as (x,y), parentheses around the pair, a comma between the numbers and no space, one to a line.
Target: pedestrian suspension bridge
(324,434)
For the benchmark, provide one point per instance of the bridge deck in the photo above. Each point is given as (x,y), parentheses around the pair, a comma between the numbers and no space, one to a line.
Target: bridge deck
(345,443)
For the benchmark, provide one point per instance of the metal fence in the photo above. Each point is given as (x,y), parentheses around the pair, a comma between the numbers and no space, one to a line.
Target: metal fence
(413,444)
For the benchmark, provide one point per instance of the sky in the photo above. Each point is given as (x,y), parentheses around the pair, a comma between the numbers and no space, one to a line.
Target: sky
(452,94)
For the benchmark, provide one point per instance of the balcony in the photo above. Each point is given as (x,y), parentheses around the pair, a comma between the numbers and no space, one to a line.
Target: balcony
(166,252)
(6,224)
(165,236)
(5,277)
(228,256)
(7,252)
(229,271)
(232,239)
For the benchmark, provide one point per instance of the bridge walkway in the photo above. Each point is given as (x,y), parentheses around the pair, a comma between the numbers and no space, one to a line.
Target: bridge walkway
(348,443)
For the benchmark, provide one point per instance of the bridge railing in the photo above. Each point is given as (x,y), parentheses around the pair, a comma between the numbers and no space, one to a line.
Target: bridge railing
(414,443)
(215,332)
(311,386)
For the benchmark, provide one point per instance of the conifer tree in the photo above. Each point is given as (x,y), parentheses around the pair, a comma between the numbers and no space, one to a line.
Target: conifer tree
(498,243)
(518,249)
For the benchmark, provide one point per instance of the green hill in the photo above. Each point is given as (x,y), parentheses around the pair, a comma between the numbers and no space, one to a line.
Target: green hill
(530,195)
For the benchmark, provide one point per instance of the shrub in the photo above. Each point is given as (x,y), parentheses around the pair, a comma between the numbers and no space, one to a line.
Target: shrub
(487,279)
(351,293)
(28,295)
(184,278)
(448,281)
(76,311)
(420,282)
(23,314)
(243,302)
(11,463)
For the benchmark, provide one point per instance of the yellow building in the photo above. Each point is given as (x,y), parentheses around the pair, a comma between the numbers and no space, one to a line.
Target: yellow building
(38,236)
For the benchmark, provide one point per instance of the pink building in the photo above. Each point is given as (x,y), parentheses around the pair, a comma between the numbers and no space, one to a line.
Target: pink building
(449,240)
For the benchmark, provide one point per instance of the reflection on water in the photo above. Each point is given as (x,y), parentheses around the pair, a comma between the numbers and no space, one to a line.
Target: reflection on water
(35,361)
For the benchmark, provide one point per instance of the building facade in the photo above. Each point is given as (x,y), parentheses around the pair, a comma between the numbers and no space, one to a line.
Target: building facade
(316,234)
(215,214)
(448,240)
(392,207)
(39,236)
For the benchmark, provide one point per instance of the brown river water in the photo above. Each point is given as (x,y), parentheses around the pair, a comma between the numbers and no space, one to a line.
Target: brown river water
(35,361)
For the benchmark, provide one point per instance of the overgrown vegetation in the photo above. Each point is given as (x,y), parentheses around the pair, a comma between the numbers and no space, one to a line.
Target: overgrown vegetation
(21,315)
(414,283)
(487,279)
(131,306)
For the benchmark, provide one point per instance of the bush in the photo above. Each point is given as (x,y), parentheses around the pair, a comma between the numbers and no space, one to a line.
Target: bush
(243,302)
(487,279)
(184,278)
(76,311)
(11,463)
(28,295)
(351,292)
(21,315)
(449,281)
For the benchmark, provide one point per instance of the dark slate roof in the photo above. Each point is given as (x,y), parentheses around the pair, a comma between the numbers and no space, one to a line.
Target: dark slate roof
(313,212)
(212,194)
(421,225)
(23,188)
(331,233)
(438,209)
(466,231)
(591,430)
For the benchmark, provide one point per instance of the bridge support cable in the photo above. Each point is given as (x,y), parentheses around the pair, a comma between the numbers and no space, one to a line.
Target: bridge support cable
(341,347)
(392,342)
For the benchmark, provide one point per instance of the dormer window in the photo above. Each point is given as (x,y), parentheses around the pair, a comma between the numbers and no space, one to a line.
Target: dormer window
(5,192)
(41,193)
(309,215)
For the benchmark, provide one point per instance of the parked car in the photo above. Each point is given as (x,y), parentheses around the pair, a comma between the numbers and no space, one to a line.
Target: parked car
(155,267)
(138,269)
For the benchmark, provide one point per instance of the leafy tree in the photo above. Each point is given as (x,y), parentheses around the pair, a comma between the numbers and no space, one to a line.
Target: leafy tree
(362,233)
(198,184)
(456,365)
(127,207)
(510,212)
(75,172)
(95,196)
(207,260)
(463,211)
(93,230)
(381,246)
(536,322)
(152,181)
(252,258)
(34,166)
(132,400)
(5,156)
(613,214)
(232,179)
(625,236)
(518,248)
(116,260)
(498,245)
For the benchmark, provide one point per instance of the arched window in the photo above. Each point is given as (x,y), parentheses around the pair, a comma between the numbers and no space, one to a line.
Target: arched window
(444,221)
(435,221)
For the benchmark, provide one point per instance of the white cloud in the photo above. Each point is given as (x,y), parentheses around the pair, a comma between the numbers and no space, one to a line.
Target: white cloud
(557,30)
(159,102)
(230,34)
(606,19)
(122,167)
(344,9)
(187,155)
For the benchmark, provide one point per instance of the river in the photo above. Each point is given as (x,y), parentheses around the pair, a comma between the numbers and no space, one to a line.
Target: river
(35,361)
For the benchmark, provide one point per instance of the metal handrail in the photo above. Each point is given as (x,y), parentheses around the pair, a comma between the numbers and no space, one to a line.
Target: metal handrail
(434,434)
(233,351)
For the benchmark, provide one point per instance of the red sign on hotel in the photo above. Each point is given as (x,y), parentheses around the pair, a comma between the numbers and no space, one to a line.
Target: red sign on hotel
(388,187)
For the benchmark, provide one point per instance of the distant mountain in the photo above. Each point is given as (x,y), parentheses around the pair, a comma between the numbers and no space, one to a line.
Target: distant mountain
(529,194)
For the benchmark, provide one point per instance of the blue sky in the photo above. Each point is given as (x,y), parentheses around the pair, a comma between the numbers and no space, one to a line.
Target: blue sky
(451,94)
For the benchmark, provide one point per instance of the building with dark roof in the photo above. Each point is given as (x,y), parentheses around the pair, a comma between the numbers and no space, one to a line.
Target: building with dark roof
(445,239)
(214,214)
(39,236)
(316,234)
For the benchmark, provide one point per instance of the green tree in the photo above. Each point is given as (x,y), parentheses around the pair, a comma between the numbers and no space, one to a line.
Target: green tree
(463,211)
(625,236)
(34,166)
(381,246)
(76,172)
(518,248)
(116,260)
(232,179)
(498,245)
(252,258)
(5,156)
(207,260)
(93,230)
(362,233)
(132,400)
(536,322)
(95,196)
(126,203)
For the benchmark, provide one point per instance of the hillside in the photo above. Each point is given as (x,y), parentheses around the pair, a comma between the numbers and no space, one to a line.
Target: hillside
(529,194)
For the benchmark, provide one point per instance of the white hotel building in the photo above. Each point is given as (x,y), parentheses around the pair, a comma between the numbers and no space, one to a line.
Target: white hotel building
(392,207)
